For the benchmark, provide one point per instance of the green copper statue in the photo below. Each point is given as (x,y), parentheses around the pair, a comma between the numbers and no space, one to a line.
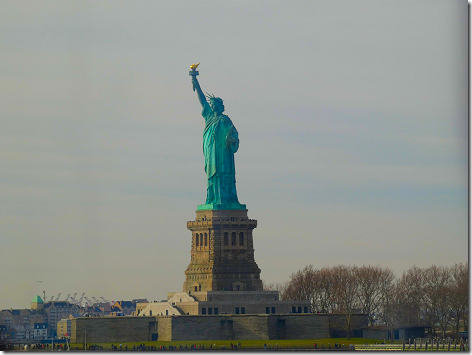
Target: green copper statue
(220,142)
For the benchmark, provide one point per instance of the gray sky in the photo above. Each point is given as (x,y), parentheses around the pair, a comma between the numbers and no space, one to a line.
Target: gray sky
(352,118)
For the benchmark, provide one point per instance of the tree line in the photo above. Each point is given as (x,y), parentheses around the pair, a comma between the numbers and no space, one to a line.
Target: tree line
(436,296)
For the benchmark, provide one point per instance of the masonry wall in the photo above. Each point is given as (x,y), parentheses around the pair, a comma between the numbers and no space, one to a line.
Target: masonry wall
(306,326)
(214,327)
(111,329)
(196,328)
(164,328)
(251,327)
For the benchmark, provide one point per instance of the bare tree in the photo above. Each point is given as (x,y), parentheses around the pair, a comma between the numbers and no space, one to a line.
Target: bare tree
(314,285)
(372,283)
(435,296)
(459,300)
(411,296)
(301,285)
(391,307)
(323,292)
(435,300)
(345,294)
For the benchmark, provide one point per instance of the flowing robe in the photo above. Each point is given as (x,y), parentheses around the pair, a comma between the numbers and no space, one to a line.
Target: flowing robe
(219,157)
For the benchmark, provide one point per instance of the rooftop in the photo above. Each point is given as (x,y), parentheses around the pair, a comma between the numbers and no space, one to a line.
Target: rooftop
(37,299)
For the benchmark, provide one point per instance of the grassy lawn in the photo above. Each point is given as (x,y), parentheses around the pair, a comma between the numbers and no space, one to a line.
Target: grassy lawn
(254,344)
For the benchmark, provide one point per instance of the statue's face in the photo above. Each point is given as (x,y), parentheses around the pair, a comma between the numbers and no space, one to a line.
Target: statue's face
(217,107)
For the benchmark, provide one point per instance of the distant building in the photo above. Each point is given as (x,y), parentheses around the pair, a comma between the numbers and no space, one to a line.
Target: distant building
(19,323)
(103,308)
(39,322)
(56,311)
(37,303)
(23,332)
(6,318)
(20,317)
(140,306)
(64,325)
(4,332)
(139,300)
(125,307)
(223,302)
(399,333)
(40,330)
(37,316)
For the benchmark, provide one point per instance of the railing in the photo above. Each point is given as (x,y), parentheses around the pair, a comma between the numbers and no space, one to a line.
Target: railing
(231,224)
(380,347)
(429,346)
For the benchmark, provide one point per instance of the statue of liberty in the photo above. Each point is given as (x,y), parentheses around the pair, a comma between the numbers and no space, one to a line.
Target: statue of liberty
(220,142)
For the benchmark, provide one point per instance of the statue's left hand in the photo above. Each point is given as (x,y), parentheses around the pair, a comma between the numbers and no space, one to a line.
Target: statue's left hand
(229,136)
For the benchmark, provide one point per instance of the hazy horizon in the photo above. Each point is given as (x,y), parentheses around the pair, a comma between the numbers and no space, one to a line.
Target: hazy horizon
(352,118)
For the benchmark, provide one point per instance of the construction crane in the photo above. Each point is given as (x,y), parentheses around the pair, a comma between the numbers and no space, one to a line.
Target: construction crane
(57,298)
(44,296)
(90,303)
(111,303)
(67,297)
(96,301)
(79,302)
(72,299)
(51,298)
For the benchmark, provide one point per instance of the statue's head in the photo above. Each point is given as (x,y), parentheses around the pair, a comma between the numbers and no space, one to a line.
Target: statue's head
(216,104)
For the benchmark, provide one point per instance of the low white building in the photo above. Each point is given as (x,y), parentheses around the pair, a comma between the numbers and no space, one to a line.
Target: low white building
(224,302)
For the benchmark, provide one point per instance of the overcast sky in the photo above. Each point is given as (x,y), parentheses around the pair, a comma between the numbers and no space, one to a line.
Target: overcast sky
(352,118)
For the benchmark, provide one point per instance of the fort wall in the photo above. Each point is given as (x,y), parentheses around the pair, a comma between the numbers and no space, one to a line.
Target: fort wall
(211,327)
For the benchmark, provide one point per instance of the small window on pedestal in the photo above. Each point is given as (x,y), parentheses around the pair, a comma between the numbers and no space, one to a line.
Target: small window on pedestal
(226,238)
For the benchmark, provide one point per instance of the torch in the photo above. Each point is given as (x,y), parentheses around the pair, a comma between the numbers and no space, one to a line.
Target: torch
(193,73)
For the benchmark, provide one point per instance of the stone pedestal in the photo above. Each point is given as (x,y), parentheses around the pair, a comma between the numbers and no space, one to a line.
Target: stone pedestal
(222,254)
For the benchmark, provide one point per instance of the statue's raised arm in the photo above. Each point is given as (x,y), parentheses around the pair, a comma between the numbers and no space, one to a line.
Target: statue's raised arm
(196,85)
